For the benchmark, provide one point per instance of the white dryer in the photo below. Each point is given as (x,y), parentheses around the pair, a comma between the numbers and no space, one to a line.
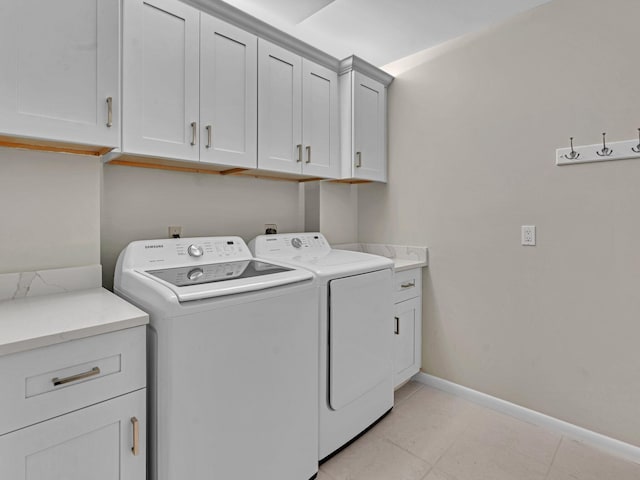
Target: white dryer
(232,342)
(356,332)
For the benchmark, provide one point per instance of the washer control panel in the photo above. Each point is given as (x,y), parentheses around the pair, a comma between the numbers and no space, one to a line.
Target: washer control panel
(290,244)
(172,252)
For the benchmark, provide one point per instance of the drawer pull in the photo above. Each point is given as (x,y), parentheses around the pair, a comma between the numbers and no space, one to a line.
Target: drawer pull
(136,436)
(408,284)
(299,147)
(194,130)
(358,159)
(109,112)
(397,329)
(74,378)
(308,153)
(209,128)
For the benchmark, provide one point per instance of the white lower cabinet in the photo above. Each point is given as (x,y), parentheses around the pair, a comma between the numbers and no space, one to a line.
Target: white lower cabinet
(102,442)
(407,327)
(75,410)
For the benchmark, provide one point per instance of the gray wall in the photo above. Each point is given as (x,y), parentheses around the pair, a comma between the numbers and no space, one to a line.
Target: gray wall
(473,130)
(139,204)
(50,210)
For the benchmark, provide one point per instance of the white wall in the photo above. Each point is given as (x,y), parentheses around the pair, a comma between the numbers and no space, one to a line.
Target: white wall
(50,210)
(139,204)
(473,130)
(331,208)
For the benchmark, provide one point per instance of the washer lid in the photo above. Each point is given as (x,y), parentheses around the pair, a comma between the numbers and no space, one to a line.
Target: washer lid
(220,279)
(197,268)
(216,272)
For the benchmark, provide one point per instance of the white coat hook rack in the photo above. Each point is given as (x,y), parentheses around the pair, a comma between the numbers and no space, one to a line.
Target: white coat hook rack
(600,152)
(637,147)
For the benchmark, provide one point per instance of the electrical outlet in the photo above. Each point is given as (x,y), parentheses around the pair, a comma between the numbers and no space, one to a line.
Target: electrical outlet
(270,228)
(175,232)
(528,235)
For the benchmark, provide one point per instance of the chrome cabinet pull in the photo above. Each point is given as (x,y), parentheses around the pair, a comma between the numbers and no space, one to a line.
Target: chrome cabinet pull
(136,436)
(358,159)
(194,129)
(209,128)
(397,329)
(308,153)
(408,284)
(299,147)
(109,112)
(74,378)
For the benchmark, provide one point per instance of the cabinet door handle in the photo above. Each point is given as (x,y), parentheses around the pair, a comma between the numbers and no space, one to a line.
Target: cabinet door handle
(74,378)
(397,329)
(308,153)
(136,436)
(194,131)
(109,112)
(408,284)
(358,159)
(299,147)
(209,128)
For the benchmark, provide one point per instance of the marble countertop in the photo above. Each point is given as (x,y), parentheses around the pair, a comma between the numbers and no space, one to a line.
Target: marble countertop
(33,322)
(404,257)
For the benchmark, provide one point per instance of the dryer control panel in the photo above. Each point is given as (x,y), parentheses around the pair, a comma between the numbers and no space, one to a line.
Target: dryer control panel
(290,244)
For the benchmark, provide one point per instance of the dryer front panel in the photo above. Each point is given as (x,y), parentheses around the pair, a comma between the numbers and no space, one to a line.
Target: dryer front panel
(360,335)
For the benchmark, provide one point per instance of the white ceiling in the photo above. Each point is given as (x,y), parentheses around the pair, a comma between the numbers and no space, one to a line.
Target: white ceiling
(381,31)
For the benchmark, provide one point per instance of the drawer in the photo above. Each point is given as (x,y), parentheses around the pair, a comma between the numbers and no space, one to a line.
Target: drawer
(407,284)
(46,382)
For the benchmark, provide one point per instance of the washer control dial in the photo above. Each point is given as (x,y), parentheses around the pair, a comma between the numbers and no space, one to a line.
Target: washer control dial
(195,250)
(296,242)
(195,274)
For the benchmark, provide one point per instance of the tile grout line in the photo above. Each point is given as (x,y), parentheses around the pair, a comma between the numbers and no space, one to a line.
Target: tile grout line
(553,459)
(420,387)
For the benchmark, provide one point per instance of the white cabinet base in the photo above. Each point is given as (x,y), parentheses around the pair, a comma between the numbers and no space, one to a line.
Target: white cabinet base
(407,325)
(95,442)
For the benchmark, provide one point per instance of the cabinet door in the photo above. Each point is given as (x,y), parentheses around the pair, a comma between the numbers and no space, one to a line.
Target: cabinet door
(320,121)
(279,109)
(407,339)
(93,443)
(228,94)
(369,129)
(160,78)
(60,64)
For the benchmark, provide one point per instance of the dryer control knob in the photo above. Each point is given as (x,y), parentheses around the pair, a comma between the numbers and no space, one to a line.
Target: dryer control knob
(296,243)
(195,250)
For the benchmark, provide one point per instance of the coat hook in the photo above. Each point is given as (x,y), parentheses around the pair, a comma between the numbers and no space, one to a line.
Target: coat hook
(573,154)
(637,148)
(606,151)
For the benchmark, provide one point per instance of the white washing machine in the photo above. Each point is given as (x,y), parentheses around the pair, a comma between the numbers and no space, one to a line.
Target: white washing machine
(232,342)
(356,332)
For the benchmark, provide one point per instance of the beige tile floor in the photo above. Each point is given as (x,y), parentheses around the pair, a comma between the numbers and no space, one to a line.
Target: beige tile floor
(431,435)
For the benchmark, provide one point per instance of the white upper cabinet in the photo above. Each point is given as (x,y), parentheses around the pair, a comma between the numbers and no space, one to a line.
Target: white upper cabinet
(279,109)
(320,129)
(364,127)
(228,94)
(60,65)
(297,114)
(161,79)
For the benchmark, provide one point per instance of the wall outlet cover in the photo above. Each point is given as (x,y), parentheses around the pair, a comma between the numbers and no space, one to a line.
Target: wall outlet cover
(528,234)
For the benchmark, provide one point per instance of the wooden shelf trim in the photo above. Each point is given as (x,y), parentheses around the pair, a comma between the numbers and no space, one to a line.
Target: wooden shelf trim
(237,172)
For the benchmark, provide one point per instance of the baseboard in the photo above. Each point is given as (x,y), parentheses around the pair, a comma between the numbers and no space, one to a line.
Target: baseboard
(597,440)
